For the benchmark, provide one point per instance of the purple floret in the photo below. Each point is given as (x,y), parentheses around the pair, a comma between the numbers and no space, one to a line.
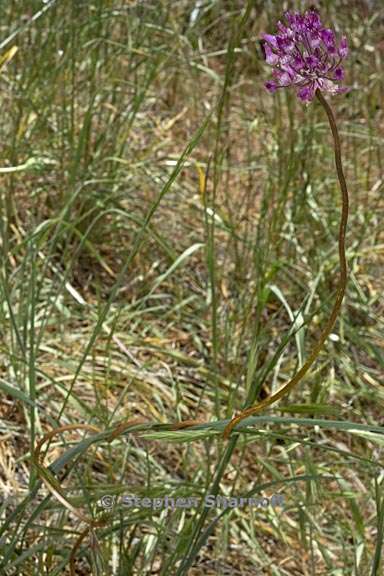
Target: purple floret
(306,55)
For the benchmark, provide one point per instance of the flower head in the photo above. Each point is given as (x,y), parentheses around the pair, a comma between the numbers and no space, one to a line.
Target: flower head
(306,55)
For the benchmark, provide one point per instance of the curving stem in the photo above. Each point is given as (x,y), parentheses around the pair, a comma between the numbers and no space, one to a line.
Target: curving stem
(286,388)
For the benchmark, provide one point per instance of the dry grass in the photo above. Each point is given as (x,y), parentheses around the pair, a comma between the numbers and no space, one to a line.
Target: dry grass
(108,314)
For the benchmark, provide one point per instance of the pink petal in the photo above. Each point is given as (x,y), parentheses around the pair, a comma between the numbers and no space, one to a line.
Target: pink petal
(343,49)
(270,57)
(271,40)
(271,86)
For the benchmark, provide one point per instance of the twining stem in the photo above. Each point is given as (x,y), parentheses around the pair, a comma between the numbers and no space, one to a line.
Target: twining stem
(286,388)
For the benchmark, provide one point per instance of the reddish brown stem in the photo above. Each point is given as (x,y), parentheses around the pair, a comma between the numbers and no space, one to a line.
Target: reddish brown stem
(286,388)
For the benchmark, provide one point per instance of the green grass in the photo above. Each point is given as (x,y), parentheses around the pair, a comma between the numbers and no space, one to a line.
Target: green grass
(168,240)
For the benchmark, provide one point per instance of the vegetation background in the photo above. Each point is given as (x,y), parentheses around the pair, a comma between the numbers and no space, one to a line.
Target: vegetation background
(168,239)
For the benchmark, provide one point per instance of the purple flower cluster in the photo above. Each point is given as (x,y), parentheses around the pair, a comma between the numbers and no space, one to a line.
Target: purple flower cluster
(306,55)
